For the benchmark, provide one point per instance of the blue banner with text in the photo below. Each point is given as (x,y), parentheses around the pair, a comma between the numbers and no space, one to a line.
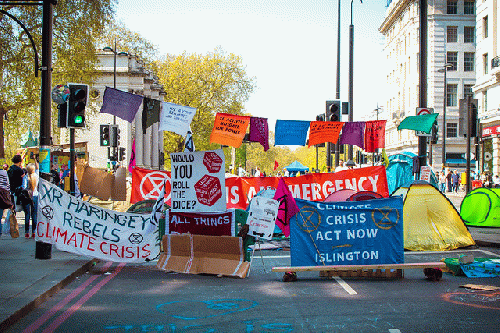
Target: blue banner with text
(347,233)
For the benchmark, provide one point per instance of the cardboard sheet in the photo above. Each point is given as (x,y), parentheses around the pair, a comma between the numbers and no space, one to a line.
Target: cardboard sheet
(196,254)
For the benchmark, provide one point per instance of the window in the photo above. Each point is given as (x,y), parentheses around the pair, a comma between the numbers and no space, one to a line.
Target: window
(469,7)
(468,90)
(452,58)
(485,26)
(451,130)
(469,33)
(451,34)
(468,61)
(451,95)
(452,7)
(485,63)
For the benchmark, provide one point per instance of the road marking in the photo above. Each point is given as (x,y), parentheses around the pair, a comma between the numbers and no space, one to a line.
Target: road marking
(344,285)
(46,316)
(59,320)
(275,257)
(394,330)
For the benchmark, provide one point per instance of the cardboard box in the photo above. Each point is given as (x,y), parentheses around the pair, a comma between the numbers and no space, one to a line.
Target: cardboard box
(196,254)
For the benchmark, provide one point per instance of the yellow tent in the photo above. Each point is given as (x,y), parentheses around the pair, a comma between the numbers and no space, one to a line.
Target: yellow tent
(431,222)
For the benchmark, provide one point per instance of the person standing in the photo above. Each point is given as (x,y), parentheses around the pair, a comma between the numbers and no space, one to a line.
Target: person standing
(31,184)
(442,182)
(257,172)
(456,181)
(5,196)
(449,180)
(16,174)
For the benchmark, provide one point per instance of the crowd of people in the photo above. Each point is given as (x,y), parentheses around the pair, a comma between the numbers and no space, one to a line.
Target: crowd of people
(453,181)
(19,188)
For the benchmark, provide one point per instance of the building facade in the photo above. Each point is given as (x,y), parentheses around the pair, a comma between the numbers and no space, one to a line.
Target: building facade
(131,76)
(451,42)
(487,88)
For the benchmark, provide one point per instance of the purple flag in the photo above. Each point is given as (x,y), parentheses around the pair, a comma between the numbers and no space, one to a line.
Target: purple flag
(122,104)
(353,134)
(259,131)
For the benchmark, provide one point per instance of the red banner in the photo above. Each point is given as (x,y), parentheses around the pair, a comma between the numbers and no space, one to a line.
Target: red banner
(147,184)
(311,186)
(374,135)
(208,224)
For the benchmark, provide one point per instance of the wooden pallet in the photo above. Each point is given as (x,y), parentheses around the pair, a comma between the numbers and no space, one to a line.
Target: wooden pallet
(382,271)
(365,274)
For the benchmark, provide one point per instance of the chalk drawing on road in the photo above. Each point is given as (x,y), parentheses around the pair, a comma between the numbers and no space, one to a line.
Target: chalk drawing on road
(482,299)
(211,308)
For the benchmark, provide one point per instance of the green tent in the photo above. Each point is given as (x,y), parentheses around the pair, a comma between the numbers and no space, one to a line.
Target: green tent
(481,207)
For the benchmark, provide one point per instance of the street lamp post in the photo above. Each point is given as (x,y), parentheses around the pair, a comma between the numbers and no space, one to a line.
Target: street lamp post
(443,148)
(351,78)
(115,53)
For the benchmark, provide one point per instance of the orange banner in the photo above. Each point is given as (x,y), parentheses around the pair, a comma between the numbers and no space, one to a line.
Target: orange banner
(324,131)
(229,129)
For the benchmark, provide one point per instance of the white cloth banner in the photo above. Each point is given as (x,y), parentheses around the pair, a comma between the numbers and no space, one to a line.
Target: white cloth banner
(79,227)
(262,217)
(198,181)
(176,118)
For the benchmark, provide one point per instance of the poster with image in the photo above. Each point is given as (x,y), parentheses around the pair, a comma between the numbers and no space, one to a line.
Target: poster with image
(198,181)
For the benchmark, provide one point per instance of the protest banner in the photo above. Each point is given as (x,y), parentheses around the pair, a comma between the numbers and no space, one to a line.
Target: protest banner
(210,224)
(198,181)
(374,135)
(311,186)
(262,217)
(324,131)
(147,184)
(347,233)
(176,118)
(240,190)
(290,132)
(79,227)
(229,129)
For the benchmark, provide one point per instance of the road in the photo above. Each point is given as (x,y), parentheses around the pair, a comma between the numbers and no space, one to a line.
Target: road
(140,298)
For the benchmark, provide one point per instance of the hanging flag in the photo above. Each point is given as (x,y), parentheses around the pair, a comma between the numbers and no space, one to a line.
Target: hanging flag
(374,135)
(287,207)
(353,133)
(291,132)
(419,123)
(188,143)
(229,129)
(275,165)
(324,131)
(259,131)
(150,112)
(385,158)
(122,104)
(176,118)
(131,164)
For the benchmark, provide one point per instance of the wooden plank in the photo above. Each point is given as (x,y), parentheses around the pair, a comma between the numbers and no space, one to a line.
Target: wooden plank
(438,264)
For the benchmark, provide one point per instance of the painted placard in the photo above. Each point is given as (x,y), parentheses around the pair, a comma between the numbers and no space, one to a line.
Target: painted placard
(198,181)
(262,217)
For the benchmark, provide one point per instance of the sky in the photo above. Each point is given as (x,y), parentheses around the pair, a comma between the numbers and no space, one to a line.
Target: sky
(289,46)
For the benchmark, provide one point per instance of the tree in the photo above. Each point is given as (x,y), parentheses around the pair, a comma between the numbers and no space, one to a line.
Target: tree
(211,83)
(77,26)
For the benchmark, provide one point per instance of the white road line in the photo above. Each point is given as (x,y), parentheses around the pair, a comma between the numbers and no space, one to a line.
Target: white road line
(394,330)
(275,257)
(344,285)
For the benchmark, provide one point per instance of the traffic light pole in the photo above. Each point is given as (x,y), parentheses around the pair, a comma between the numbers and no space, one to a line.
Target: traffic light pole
(422,140)
(44,250)
(72,159)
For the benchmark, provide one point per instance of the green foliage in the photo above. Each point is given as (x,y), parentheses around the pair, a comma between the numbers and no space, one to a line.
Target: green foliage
(76,26)
(211,83)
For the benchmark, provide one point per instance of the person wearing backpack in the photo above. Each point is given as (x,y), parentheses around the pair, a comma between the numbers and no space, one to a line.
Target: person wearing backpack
(16,175)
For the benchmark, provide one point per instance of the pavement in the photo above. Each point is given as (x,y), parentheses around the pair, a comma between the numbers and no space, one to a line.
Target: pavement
(27,282)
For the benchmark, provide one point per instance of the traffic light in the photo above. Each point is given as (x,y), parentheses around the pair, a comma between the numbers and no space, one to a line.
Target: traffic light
(320,117)
(77,101)
(62,115)
(104,137)
(121,154)
(114,135)
(333,110)
(473,118)
(434,133)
